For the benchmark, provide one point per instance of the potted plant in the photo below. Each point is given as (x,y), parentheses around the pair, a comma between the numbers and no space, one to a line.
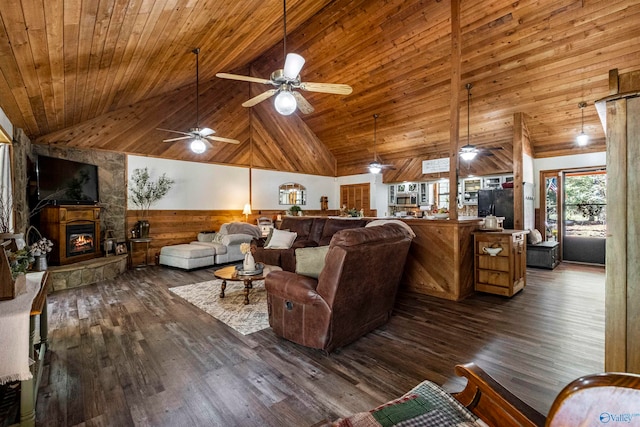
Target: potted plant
(144,192)
(295,210)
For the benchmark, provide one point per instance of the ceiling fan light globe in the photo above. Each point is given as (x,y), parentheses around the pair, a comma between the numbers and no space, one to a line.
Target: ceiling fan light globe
(285,103)
(198,146)
(292,66)
(375,168)
(468,155)
(582,139)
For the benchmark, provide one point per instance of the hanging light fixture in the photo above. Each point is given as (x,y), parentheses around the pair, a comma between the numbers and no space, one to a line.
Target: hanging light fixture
(285,103)
(583,138)
(375,166)
(468,152)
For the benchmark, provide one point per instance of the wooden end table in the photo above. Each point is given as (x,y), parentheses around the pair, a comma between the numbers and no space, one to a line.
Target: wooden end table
(230,273)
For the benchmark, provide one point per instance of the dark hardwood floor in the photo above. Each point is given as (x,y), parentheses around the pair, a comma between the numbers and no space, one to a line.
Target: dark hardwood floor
(128,352)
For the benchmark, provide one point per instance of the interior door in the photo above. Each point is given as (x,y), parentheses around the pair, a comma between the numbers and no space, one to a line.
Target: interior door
(584,216)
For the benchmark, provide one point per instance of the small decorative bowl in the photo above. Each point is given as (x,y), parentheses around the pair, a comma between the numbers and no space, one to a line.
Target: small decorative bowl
(441,215)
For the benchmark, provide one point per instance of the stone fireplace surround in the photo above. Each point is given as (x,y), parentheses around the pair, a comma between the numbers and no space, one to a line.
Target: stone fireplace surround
(112,190)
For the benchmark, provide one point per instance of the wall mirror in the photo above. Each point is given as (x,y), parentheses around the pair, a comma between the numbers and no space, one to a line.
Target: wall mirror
(292,194)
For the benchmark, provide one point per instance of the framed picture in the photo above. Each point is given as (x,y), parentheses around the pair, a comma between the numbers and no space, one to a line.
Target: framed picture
(121,248)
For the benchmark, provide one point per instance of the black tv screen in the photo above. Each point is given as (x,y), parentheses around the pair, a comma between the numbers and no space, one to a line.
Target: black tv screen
(65,182)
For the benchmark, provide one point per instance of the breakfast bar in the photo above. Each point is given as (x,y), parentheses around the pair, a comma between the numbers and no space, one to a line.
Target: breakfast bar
(440,260)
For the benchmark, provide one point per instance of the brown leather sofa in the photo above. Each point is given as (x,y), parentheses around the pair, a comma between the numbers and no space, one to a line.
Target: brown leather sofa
(312,231)
(354,293)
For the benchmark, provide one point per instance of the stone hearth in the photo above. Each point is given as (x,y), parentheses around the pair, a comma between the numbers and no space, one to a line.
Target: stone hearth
(86,272)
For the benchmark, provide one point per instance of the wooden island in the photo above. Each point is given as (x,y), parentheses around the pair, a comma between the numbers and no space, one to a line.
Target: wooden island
(440,261)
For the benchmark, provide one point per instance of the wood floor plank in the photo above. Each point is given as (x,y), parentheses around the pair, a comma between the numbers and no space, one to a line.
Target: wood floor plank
(128,352)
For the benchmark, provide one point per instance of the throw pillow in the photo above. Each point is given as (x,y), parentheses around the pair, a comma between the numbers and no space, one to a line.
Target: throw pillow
(281,239)
(534,237)
(310,261)
(206,236)
(217,238)
(269,236)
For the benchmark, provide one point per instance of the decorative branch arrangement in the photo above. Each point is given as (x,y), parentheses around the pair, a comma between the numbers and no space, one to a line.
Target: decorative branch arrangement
(144,192)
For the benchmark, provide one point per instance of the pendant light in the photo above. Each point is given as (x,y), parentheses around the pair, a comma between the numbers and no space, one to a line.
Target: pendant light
(375,166)
(583,138)
(468,152)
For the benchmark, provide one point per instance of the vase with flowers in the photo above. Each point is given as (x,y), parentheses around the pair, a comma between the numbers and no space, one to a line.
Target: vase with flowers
(39,250)
(249,263)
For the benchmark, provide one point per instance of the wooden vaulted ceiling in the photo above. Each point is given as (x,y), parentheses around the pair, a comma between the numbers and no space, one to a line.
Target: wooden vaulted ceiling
(104,74)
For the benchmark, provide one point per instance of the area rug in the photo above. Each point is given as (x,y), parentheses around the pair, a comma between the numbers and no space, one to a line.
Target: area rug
(231,310)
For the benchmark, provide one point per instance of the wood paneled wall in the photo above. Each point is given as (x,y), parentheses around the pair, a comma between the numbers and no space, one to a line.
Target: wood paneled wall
(172,227)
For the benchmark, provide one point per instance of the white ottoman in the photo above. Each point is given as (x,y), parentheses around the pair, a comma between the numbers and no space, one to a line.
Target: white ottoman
(187,256)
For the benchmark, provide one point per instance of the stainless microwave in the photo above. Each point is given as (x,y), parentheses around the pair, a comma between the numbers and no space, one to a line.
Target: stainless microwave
(407,199)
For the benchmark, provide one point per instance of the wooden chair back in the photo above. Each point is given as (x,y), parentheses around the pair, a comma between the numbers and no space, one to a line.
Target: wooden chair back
(600,399)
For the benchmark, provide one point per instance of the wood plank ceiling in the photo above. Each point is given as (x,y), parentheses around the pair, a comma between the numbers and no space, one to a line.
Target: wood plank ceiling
(104,74)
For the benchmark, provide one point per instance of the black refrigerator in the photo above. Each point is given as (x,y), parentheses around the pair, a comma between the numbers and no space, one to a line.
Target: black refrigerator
(497,202)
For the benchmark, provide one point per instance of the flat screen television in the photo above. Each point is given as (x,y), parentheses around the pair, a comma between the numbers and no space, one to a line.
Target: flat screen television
(65,182)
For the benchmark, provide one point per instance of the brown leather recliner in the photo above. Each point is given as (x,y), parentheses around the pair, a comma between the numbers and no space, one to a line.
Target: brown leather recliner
(353,295)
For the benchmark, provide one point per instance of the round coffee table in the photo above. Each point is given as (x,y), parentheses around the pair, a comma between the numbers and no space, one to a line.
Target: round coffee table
(230,273)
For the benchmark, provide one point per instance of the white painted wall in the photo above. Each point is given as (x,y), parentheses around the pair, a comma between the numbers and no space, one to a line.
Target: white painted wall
(565,162)
(198,186)
(202,186)
(5,125)
(265,185)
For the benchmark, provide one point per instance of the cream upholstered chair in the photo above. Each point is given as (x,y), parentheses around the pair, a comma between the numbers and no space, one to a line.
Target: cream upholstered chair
(600,399)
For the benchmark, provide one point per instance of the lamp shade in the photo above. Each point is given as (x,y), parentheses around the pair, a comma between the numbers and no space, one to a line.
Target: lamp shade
(247,209)
(375,168)
(292,65)
(285,103)
(582,139)
(197,146)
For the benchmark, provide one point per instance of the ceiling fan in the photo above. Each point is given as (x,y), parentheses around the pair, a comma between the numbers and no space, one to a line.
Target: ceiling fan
(200,137)
(376,166)
(286,81)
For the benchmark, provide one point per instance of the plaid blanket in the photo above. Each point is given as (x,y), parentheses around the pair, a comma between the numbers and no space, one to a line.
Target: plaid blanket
(425,405)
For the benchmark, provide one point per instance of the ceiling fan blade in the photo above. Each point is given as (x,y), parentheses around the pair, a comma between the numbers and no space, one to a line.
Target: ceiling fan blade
(174,131)
(176,139)
(221,139)
(243,78)
(206,132)
(303,104)
(257,99)
(336,88)
(292,65)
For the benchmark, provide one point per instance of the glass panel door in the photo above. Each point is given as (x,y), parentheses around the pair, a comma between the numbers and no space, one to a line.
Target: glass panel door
(585,216)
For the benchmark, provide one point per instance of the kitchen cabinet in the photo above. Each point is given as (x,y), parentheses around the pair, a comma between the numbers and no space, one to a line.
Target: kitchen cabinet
(392,194)
(424,194)
(470,188)
(500,262)
(492,182)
